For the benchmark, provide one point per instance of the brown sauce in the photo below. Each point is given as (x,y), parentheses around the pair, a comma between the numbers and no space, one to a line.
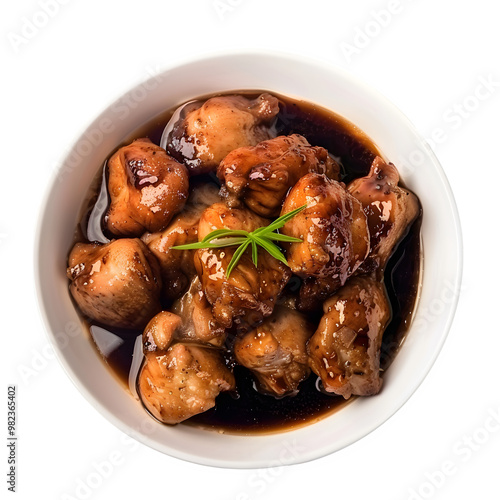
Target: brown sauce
(248,411)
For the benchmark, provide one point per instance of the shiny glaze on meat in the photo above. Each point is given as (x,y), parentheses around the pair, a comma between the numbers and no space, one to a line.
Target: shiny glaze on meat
(207,131)
(147,188)
(345,349)
(177,267)
(116,284)
(275,351)
(262,175)
(248,295)
(253,412)
(334,233)
(390,209)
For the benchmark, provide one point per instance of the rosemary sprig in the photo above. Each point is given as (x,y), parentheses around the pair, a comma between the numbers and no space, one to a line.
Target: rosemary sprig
(263,237)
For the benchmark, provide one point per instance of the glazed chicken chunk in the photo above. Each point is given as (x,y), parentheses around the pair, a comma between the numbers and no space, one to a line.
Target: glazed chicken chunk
(178,380)
(117,284)
(189,320)
(198,322)
(177,266)
(161,331)
(262,175)
(205,133)
(249,293)
(334,233)
(147,188)
(345,350)
(389,208)
(275,351)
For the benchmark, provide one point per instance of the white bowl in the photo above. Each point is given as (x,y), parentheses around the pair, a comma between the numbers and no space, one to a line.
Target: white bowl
(290,75)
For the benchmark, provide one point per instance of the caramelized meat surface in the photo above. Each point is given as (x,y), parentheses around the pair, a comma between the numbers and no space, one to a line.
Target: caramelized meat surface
(190,320)
(250,292)
(389,208)
(261,175)
(345,349)
(161,331)
(334,233)
(205,134)
(275,351)
(182,380)
(147,188)
(221,165)
(117,284)
(198,322)
(177,266)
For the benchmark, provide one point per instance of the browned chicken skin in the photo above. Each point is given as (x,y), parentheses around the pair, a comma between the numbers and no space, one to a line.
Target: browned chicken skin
(250,292)
(117,284)
(261,175)
(276,351)
(345,350)
(334,233)
(389,208)
(161,331)
(263,317)
(198,322)
(147,188)
(189,320)
(206,133)
(179,380)
(177,266)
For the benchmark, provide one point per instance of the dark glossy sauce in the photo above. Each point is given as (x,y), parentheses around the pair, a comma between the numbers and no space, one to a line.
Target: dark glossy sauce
(248,411)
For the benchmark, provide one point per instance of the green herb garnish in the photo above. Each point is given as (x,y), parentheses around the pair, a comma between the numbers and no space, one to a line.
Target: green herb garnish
(262,237)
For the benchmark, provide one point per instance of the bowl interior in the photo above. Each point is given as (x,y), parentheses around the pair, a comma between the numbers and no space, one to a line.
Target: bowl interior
(312,81)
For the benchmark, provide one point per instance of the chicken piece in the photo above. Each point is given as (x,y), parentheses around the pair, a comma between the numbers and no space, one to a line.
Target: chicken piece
(334,233)
(198,322)
(275,351)
(189,320)
(389,208)
(345,349)
(205,133)
(161,331)
(313,292)
(179,380)
(262,175)
(117,284)
(177,266)
(250,292)
(147,188)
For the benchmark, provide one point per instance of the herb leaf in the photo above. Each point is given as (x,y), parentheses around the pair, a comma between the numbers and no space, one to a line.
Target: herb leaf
(237,256)
(272,249)
(214,243)
(282,237)
(263,237)
(221,233)
(280,221)
(255,252)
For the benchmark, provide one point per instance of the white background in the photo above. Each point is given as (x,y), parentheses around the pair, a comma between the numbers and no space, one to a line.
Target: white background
(428,57)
